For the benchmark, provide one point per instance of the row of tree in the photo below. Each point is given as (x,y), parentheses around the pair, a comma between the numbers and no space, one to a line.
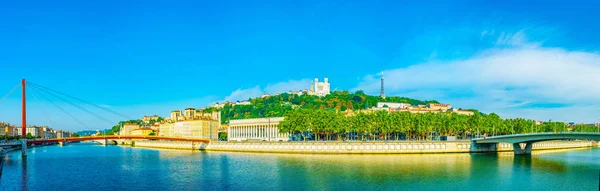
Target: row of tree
(383,125)
(278,105)
(10,138)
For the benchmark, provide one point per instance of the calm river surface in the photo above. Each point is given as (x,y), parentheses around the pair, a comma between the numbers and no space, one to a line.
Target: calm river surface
(94,167)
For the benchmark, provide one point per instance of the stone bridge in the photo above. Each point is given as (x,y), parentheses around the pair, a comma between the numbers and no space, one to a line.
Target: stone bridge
(523,143)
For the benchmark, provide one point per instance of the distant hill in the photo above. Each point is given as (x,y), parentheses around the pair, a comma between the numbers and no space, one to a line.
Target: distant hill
(277,105)
(86,132)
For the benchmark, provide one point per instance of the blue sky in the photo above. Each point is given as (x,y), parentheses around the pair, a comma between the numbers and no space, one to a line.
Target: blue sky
(531,59)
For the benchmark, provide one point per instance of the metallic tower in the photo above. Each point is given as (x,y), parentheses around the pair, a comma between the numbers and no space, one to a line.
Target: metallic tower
(382,92)
(24,122)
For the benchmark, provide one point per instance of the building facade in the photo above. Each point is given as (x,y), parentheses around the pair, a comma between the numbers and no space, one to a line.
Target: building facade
(147,119)
(141,132)
(189,113)
(439,106)
(299,93)
(176,115)
(127,128)
(34,131)
(202,128)
(4,128)
(319,88)
(393,105)
(48,133)
(165,129)
(261,129)
(63,134)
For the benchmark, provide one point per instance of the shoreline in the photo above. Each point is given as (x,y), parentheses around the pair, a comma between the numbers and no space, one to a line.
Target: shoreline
(400,147)
(345,148)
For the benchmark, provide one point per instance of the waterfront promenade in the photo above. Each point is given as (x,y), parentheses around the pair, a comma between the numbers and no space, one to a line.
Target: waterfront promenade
(407,147)
(396,147)
(540,141)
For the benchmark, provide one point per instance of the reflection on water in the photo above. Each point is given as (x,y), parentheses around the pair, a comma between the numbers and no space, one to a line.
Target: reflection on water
(127,168)
(24,172)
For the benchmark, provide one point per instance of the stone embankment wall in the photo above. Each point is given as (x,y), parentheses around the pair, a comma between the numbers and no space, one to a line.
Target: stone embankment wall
(186,145)
(376,147)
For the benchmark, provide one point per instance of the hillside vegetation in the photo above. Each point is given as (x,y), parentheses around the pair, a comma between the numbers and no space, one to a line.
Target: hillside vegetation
(382,125)
(278,105)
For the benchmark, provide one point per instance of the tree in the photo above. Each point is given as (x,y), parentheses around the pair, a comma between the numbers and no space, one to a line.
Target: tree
(222,136)
(152,134)
(29,136)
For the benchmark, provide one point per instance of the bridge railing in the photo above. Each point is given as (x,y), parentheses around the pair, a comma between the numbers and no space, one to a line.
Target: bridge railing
(541,133)
(122,137)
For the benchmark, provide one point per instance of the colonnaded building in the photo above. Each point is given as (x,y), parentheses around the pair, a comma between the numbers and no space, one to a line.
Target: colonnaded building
(261,129)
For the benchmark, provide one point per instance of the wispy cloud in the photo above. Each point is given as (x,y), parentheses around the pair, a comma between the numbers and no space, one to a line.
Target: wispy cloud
(513,39)
(515,78)
(291,85)
(279,87)
(244,94)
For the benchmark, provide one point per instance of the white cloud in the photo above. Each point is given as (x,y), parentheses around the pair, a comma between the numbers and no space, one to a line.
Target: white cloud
(256,91)
(244,94)
(292,85)
(515,39)
(506,81)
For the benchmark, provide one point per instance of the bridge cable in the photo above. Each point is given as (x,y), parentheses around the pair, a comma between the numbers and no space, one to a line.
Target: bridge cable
(10,93)
(72,97)
(63,110)
(33,93)
(77,106)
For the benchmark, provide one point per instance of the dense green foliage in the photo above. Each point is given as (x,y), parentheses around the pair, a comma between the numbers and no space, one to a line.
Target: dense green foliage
(585,128)
(152,121)
(383,125)
(278,105)
(222,136)
(10,138)
(115,129)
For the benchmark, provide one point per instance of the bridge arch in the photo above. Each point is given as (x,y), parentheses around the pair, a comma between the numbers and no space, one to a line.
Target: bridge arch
(490,143)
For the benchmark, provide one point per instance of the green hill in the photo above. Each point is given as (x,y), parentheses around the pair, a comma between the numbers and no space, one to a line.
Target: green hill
(276,106)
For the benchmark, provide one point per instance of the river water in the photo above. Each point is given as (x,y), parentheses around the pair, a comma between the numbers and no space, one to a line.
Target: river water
(95,167)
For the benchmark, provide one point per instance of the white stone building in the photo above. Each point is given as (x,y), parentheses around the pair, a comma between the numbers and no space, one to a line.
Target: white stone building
(393,105)
(34,131)
(261,129)
(319,88)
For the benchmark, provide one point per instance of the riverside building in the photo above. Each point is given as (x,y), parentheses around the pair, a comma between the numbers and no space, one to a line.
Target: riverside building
(141,132)
(201,127)
(127,128)
(261,129)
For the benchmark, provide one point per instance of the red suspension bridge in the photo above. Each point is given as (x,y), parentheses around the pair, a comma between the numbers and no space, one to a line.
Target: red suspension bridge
(46,92)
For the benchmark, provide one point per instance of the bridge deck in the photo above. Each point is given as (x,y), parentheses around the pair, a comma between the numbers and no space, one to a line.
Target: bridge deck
(72,139)
(537,137)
